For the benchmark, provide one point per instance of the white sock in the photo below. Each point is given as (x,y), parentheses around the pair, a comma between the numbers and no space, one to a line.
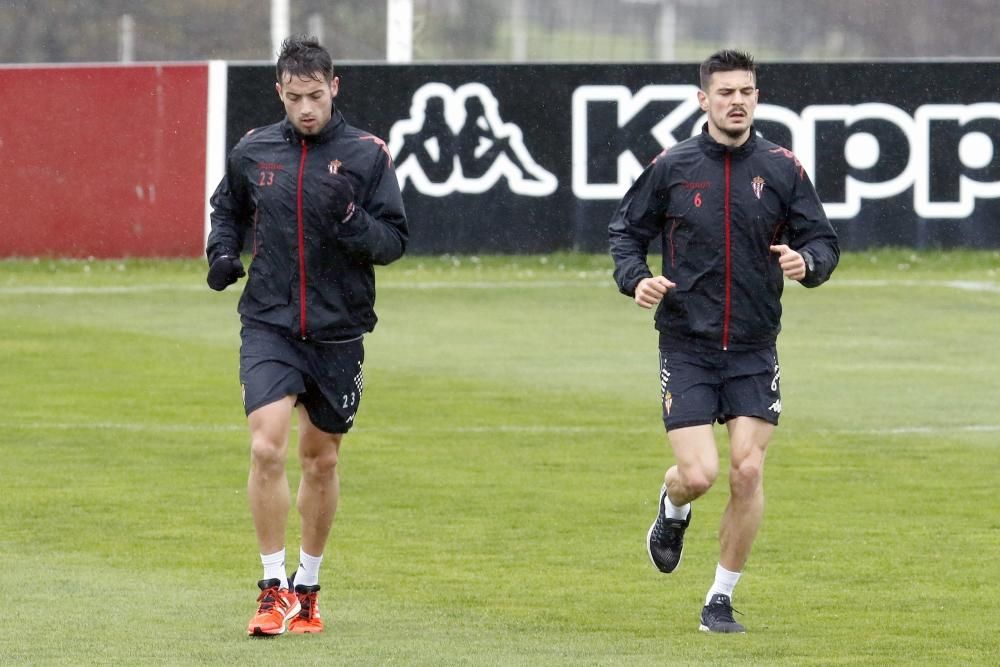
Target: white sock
(725,582)
(673,511)
(308,572)
(274,567)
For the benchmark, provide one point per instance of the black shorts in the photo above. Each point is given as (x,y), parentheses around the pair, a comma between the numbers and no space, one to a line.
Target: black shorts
(702,387)
(327,378)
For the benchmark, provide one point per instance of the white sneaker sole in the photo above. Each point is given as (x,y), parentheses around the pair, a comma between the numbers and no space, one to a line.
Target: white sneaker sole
(705,628)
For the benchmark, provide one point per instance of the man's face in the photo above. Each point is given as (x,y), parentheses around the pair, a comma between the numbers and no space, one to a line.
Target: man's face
(308,101)
(730,102)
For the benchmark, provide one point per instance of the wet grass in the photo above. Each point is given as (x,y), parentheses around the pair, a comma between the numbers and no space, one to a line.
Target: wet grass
(502,475)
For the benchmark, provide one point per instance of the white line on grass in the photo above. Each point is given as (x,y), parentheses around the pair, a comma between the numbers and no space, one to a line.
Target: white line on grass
(198,428)
(503,428)
(964,285)
(918,430)
(123,426)
(499,285)
(60,290)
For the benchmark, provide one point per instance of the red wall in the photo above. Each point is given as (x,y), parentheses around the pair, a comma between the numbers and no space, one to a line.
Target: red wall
(103,161)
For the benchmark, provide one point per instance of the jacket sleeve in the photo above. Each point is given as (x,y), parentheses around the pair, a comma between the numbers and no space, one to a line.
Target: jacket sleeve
(810,232)
(377,232)
(635,224)
(231,212)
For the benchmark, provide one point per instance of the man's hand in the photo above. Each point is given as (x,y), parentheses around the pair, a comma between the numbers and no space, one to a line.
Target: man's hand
(225,271)
(340,197)
(792,264)
(650,291)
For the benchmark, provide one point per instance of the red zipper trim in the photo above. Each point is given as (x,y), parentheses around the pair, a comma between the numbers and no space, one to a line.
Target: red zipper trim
(302,243)
(256,216)
(727,217)
(670,238)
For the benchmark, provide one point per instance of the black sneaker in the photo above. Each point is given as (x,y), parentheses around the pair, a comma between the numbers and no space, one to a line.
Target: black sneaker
(717,616)
(665,539)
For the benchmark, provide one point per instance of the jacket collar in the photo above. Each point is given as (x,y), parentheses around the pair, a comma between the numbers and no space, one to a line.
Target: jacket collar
(329,131)
(714,149)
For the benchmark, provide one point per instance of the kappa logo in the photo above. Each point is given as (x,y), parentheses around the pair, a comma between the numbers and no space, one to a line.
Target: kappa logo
(879,150)
(456,141)
(611,125)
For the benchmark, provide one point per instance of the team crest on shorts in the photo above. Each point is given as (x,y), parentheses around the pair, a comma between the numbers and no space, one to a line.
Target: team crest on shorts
(668,400)
(758,186)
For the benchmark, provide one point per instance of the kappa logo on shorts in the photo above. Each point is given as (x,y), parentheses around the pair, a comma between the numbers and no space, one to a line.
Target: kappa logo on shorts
(775,407)
(456,141)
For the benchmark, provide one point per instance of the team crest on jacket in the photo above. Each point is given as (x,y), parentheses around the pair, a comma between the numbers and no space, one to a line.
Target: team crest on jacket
(334,168)
(758,186)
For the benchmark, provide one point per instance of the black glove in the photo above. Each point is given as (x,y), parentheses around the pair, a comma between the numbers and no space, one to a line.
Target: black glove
(224,272)
(339,196)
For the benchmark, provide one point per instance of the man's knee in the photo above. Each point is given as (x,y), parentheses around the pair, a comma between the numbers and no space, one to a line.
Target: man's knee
(319,454)
(698,478)
(745,476)
(749,438)
(267,452)
(269,433)
(321,465)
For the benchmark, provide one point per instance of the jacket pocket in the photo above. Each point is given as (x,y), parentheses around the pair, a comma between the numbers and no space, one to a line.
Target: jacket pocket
(266,288)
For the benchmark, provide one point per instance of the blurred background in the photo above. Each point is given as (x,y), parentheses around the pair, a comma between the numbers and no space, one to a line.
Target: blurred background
(59,31)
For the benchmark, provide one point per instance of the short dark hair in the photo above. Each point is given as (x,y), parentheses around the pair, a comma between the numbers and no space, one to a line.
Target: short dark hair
(302,56)
(726,60)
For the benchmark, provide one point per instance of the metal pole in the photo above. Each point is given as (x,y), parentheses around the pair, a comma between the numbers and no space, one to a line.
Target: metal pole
(315,24)
(126,38)
(280,25)
(399,31)
(518,32)
(666,28)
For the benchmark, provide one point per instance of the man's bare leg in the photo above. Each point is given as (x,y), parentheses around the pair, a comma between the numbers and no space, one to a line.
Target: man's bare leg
(697,463)
(319,488)
(267,486)
(748,440)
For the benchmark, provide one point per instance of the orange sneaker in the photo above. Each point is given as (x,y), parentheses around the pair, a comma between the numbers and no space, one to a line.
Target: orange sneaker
(277,605)
(308,619)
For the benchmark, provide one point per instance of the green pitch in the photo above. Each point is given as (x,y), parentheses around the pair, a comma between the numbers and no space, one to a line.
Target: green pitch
(502,475)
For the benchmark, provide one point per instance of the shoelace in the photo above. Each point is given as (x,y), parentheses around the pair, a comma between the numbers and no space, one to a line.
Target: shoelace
(663,530)
(308,602)
(267,599)
(723,612)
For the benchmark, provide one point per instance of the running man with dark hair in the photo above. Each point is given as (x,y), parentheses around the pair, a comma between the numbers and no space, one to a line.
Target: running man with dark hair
(322,205)
(737,215)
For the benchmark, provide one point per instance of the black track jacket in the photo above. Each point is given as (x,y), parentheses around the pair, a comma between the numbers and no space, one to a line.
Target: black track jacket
(717,210)
(310,277)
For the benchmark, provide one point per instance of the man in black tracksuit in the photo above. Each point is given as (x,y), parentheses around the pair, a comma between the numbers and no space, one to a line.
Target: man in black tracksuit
(322,205)
(737,215)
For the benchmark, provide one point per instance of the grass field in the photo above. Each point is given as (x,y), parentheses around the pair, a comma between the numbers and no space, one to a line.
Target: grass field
(502,475)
